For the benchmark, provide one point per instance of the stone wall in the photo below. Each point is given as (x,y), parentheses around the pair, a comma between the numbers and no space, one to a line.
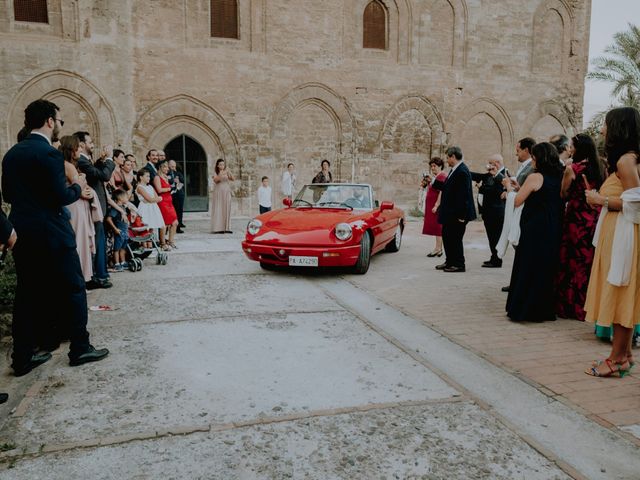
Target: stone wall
(297,86)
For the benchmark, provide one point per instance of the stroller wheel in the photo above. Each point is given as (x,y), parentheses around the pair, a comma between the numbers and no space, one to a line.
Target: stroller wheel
(132,265)
(165,259)
(159,258)
(138,264)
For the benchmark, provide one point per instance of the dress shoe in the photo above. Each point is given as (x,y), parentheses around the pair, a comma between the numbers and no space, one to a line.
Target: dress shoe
(4,397)
(93,284)
(491,265)
(505,289)
(90,355)
(453,269)
(182,225)
(35,361)
(179,231)
(437,253)
(442,266)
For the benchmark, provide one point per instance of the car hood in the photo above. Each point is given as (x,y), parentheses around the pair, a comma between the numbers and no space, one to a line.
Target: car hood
(308,219)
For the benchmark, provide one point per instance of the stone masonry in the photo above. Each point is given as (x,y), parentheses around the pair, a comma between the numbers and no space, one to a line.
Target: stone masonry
(297,86)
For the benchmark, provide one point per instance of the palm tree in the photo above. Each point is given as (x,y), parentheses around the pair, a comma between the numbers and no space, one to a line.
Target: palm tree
(620,67)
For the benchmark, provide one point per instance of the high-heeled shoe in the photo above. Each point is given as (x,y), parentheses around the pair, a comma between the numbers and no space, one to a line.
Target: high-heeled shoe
(435,254)
(615,369)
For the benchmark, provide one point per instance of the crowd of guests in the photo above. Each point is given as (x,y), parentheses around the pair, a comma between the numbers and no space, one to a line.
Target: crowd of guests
(573,217)
(72,208)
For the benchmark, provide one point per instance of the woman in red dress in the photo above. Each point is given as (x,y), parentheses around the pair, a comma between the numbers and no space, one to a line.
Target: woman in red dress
(578,229)
(435,182)
(169,215)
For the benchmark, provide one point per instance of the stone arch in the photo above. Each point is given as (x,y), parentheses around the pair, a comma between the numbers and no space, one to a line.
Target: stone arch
(336,107)
(552,30)
(438,19)
(186,115)
(545,112)
(74,89)
(499,118)
(412,132)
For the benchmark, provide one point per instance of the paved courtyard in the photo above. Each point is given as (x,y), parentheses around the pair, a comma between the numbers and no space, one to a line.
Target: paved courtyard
(222,370)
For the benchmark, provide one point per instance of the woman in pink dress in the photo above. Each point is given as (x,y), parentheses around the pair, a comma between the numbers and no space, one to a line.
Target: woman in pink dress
(169,215)
(435,182)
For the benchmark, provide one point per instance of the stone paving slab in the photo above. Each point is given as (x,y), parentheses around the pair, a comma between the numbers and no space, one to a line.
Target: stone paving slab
(442,441)
(192,297)
(470,309)
(193,373)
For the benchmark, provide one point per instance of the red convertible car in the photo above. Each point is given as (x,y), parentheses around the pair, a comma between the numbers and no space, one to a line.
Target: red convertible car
(327,225)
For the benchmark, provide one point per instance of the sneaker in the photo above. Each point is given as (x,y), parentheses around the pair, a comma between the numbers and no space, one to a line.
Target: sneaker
(118,268)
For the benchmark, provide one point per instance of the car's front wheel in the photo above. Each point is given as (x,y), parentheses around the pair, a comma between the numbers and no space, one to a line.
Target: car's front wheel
(395,244)
(364,259)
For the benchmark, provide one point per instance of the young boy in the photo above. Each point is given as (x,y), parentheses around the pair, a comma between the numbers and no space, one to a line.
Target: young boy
(120,230)
(264,196)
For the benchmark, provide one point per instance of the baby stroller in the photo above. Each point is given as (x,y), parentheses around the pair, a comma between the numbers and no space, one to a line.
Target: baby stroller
(139,233)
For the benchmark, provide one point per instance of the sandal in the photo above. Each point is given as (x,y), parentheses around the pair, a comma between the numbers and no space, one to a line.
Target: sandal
(435,253)
(597,363)
(615,369)
(165,247)
(173,245)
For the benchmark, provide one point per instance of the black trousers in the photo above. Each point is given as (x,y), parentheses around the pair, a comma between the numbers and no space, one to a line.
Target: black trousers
(50,301)
(452,235)
(264,209)
(178,204)
(493,225)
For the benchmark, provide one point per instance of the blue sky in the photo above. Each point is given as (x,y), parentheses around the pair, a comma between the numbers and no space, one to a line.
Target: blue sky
(607,18)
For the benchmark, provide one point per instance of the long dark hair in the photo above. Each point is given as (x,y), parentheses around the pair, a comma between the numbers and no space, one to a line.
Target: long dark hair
(218,163)
(623,134)
(547,159)
(585,149)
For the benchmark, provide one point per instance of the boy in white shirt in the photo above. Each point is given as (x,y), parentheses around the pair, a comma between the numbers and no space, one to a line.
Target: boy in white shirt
(264,196)
(289,181)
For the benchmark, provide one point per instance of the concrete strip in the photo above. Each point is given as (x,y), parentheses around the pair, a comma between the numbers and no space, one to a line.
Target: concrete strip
(576,440)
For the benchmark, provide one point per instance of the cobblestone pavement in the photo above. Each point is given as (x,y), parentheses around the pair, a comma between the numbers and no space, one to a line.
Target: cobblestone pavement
(221,370)
(469,308)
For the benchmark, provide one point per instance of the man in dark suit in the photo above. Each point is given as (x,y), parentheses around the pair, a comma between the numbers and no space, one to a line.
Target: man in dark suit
(97,173)
(8,239)
(491,205)
(176,178)
(34,183)
(152,164)
(456,210)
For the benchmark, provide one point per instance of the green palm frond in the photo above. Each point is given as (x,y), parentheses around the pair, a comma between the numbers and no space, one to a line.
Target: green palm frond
(621,66)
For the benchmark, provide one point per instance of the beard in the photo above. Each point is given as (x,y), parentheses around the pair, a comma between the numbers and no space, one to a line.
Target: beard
(55,135)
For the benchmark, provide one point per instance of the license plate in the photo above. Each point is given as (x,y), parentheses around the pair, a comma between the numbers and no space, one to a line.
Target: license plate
(303,261)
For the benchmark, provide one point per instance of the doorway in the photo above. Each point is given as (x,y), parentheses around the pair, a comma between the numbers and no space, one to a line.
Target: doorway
(192,162)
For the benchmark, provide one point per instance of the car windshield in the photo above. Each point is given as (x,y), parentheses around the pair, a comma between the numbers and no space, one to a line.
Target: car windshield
(334,196)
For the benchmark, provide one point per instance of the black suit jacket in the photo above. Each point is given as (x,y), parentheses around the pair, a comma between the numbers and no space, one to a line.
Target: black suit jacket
(491,190)
(34,183)
(97,174)
(5,225)
(457,197)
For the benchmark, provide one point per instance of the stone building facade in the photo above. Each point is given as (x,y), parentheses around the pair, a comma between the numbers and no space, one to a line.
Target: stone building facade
(297,85)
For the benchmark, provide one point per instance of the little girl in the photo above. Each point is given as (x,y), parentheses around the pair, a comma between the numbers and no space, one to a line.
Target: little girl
(148,208)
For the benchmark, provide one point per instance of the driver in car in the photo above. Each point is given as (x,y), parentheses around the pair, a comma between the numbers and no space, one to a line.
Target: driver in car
(358,200)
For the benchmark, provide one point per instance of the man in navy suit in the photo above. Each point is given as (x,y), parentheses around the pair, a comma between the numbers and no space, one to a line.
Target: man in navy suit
(456,210)
(34,183)
(8,239)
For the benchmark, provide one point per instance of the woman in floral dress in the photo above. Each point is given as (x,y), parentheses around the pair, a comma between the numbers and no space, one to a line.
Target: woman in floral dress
(580,219)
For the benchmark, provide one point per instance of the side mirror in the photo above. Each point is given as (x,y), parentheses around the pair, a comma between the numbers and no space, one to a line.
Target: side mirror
(387,206)
(287,201)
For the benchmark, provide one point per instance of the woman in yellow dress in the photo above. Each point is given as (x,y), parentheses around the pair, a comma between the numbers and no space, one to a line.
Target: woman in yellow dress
(611,301)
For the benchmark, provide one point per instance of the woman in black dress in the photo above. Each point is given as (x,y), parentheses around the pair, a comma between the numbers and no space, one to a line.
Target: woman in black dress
(531,295)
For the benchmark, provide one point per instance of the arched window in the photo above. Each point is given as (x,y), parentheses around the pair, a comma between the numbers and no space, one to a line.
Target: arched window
(31,11)
(375,26)
(224,18)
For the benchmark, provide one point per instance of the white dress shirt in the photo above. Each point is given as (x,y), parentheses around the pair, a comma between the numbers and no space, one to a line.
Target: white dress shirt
(264,196)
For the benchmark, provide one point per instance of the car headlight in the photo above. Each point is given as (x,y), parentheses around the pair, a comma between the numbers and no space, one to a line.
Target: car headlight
(254,226)
(343,231)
